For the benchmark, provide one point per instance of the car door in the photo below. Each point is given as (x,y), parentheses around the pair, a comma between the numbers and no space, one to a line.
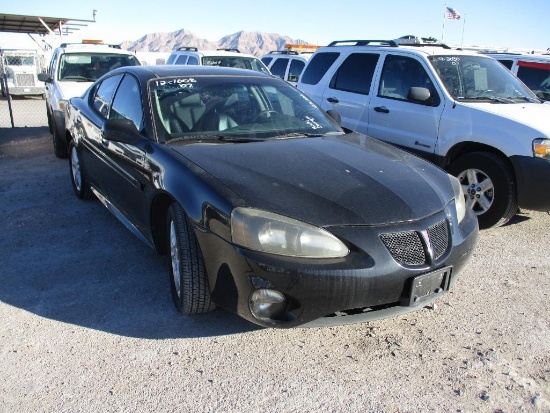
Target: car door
(93,145)
(129,172)
(349,90)
(394,117)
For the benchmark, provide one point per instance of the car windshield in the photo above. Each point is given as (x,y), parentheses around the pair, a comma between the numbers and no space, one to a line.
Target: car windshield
(240,62)
(234,108)
(479,78)
(88,67)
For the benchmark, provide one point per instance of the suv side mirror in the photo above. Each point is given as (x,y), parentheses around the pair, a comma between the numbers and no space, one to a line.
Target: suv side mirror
(423,96)
(44,77)
(293,78)
(121,130)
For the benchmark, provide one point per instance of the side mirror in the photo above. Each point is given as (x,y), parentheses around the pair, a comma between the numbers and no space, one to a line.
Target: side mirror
(293,78)
(44,77)
(419,94)
(121,130)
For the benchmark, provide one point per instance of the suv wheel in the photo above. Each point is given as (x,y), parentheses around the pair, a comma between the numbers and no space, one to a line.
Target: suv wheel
(59,144)
(489,187)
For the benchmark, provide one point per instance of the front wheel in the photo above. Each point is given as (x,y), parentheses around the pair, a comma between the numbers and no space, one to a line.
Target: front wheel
(59,144)
(80,185)
(489,187)
(188,281)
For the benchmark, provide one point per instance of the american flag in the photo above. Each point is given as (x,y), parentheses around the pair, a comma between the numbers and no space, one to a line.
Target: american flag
(451,13)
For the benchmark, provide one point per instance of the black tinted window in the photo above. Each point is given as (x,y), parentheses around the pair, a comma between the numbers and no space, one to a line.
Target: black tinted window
(127,102)
(507,63)
(104,94)
(355,73)
(266,60)
(318,66)
(296,68)
(279,67)
(181,60)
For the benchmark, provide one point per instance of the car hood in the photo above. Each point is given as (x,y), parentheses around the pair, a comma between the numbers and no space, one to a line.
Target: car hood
(346,180)
(73,89)
(533,115)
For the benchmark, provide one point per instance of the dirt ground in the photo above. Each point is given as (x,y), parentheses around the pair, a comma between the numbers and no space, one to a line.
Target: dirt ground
(87,323)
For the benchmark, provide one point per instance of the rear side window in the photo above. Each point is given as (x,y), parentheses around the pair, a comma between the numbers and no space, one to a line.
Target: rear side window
(127,102)
(266,60)
(279,67)
(296,67)
(507,63)
(355,74)
(181,60)
(104,94)
(318,66)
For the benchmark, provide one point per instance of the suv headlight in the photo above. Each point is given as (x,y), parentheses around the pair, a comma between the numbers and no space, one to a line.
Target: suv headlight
(460,201)
(541,148)
(276,234)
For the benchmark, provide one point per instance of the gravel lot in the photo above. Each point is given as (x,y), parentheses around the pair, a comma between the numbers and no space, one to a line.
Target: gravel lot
(87,323)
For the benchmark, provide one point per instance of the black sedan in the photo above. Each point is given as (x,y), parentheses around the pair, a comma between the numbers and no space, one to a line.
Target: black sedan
(264,205)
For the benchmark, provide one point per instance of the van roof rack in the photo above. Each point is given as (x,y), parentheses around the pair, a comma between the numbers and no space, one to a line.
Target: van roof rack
(389,43)
(114,46)
(188,48)
(230,50)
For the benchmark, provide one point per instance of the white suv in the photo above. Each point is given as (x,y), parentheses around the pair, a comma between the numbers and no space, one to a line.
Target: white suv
(462,110)
(532,69)
(73,68)
(222,57)
(286,64)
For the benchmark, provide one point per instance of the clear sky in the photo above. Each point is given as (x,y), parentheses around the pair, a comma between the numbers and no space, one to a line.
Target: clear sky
(492,23)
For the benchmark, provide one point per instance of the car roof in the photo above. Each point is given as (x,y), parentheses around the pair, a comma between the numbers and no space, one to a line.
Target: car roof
(518,55)
(426,49)
(214,52)
(149,72)
(93,48)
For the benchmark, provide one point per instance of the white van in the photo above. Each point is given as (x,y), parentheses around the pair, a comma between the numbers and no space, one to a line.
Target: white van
(462,110)
(73,68)
(532,69)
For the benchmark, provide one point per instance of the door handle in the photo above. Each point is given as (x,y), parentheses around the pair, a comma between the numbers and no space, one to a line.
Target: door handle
(333,100)
(381,109)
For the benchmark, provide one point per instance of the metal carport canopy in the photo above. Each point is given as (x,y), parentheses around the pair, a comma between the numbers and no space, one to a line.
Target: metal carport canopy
(15,23)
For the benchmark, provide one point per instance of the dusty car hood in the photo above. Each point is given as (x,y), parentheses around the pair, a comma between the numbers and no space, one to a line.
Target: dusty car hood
(351,180)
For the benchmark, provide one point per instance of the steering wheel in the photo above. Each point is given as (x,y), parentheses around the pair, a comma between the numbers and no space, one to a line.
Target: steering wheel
(264,115)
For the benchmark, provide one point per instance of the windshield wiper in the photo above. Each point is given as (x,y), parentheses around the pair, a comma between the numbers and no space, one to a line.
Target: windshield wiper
(295,135)
(489,98)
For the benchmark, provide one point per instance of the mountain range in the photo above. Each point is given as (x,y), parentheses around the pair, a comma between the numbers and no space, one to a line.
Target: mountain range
(255,43)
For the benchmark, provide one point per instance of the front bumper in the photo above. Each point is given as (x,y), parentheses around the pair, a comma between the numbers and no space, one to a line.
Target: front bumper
(533,182)
(368,284)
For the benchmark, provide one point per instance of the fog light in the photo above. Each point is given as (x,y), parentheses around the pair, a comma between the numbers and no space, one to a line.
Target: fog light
(267,304)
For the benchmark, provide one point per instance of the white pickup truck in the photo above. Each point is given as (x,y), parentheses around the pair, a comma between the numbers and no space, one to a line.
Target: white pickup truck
(19,70)
(462,110)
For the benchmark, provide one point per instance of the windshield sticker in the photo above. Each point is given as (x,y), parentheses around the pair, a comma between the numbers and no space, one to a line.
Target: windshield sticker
(184,83)
(312,123)
(454,60)
(213,63)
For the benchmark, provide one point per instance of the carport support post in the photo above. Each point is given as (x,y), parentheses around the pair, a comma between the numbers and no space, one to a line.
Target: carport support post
(8,97)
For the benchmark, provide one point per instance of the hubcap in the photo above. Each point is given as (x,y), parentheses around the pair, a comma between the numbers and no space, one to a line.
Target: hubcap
(175,257)
(478,190)
(75,169)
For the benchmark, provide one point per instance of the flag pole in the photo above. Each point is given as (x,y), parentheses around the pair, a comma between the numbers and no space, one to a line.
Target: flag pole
(443,31)
(463,25)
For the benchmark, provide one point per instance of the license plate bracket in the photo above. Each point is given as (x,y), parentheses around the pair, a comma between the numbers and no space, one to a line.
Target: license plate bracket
(426,286)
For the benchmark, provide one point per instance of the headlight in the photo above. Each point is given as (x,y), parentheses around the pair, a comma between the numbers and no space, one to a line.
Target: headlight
(276,234)
(541,148)
(460,201)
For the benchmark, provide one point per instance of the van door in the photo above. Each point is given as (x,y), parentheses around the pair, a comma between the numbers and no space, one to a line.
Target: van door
(350,88)
(396,118)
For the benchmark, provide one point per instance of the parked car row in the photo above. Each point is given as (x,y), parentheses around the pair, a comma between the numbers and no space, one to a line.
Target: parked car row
(272,201)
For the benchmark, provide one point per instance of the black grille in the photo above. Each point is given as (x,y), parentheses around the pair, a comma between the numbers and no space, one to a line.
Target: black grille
(439,238)
(407,247)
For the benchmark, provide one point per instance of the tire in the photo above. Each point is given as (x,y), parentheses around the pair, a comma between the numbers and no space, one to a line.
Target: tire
(489,187)
(59,145)
(81,187)
(188,281)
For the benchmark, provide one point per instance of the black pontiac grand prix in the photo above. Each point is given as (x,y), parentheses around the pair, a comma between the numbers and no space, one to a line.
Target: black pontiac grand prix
(264,205)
